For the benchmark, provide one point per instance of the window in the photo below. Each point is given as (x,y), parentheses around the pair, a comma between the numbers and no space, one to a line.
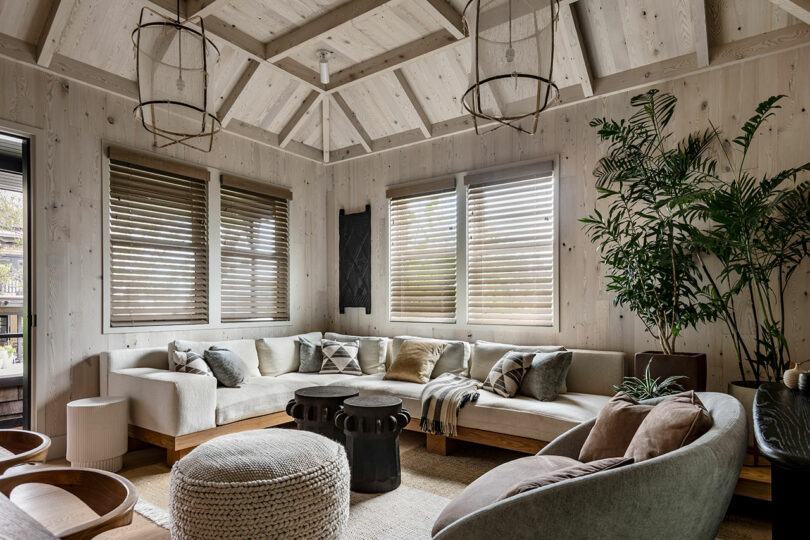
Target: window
(254,235)
(510,247)
(422,252)
(507,248)
(158,242)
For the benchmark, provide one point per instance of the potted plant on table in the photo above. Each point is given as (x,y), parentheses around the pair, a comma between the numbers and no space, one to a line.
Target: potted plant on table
(758,232)
(645,236)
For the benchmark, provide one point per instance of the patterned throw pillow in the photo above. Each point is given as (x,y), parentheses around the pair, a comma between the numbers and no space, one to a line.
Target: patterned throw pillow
(340,357)
(505,376)
(191,362)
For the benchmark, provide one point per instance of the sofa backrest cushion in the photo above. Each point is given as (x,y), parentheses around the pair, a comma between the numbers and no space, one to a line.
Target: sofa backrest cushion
(455,359)
(373,351)
(244,348)
(486,354)
(152,357)
(279,355)
(595,372)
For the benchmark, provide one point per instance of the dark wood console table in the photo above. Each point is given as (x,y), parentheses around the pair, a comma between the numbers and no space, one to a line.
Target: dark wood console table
(782,430)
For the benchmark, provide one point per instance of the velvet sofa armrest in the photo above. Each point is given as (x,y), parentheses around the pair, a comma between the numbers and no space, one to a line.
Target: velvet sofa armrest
(166,401)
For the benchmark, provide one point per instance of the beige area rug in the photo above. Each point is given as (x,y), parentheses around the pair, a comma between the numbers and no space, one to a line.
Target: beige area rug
(429,482)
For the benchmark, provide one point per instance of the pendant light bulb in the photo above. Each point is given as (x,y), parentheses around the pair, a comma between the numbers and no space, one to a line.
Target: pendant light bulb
(323,56)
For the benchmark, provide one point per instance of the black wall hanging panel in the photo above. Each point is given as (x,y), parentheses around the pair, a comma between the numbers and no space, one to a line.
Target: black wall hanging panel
(355,260)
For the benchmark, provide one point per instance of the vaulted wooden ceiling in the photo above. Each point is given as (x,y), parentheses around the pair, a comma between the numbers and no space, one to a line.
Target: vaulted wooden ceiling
(399,66)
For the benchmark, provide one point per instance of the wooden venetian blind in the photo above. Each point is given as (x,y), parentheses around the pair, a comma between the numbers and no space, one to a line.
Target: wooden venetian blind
(158,242)
(422,253)
(255,251)
(510,247)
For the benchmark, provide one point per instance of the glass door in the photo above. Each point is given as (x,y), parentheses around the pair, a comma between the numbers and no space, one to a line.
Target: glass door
(14,357)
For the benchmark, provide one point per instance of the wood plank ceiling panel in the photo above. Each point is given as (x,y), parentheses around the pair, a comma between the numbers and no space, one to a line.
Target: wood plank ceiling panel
(24,19)
(267,19)
(381,106)
(732,20)
(270,101)
(437,83)
(311,131)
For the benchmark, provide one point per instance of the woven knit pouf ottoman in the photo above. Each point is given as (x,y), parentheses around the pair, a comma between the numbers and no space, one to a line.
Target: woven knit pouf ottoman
(270,483)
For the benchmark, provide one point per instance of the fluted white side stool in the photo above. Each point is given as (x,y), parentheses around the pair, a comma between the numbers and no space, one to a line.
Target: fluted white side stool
(97,432)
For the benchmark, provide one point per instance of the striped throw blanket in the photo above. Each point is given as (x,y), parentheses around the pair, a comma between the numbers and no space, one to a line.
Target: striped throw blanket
(442,399)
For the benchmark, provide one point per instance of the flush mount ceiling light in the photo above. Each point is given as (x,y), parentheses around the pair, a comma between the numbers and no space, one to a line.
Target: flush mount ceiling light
(173,58)
(512,60)
(323,64)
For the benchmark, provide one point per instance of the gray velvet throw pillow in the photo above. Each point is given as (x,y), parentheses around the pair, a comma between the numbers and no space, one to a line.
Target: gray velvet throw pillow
(545,378)
(309,355)
(228,368)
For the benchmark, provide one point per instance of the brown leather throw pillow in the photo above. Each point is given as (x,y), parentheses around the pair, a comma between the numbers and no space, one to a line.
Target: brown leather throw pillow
(614,428)
(415,361)
(573,471)
(674,422)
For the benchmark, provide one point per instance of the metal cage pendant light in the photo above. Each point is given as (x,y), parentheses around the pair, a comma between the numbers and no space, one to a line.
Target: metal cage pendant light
(512,62)
(172,62)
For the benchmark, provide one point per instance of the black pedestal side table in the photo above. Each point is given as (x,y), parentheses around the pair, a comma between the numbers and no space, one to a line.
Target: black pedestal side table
(372,425)
(314,408)
(782,430)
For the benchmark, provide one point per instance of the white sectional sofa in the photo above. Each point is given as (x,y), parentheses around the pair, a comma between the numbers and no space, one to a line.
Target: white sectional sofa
(179,411)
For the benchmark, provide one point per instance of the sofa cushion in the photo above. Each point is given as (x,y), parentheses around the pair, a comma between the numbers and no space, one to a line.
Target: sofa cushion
(506,375)
(536,481)
(256,397)
(614,428)
(318,379)
(414,361)
(491,486)
(672,423)
(486,354)
(310,355)
(520,415)
(545,378)
(228,368)
(191,362)
(455,358)
(244,348)
(340,357)
(373,351)
(279,355)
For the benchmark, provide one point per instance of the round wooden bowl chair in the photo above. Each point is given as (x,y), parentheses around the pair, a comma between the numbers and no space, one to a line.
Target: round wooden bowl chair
(22,447)
(111,496)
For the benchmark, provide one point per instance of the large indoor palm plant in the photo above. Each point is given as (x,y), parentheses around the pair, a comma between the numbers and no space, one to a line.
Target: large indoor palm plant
(645,234)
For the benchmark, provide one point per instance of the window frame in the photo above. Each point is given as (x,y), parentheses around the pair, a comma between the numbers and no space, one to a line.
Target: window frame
(462,312)
(214,320)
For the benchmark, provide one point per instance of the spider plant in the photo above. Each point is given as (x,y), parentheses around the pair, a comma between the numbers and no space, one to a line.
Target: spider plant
(647,387)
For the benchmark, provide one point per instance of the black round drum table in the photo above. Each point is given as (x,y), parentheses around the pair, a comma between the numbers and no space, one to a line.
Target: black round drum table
(314,408)
(372,425)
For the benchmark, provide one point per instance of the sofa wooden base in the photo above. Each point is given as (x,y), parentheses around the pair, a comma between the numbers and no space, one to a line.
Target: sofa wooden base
(439,444)
(177,447)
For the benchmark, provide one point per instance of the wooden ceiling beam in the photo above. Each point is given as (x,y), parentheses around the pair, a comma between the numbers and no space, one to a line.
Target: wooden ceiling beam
(798,8)
(576,47)
(325,124)
(447,16)
(701,32)
(52,32)
(297,120)
(288,43)
(226,109)
(424,121)
(365,140)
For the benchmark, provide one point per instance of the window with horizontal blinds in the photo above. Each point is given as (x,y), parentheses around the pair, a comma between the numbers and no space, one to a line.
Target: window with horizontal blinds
(422,256)
(255,261)
(158,245)
(510,251)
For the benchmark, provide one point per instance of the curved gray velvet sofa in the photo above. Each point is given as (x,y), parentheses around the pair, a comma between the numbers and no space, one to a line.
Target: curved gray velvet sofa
(682,494)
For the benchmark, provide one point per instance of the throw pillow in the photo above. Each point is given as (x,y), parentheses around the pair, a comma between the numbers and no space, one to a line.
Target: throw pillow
(455,358)
(573,471)
(505,376)
(190,362)
(244,348)
(615,426)
(310,356)
(672,423)
(373,351)
(486,354)
(228,368)
(545,378)
(340,357)
(415,361)
(488,488)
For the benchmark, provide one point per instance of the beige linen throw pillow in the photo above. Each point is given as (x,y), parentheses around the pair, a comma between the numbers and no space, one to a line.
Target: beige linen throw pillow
(415,361)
